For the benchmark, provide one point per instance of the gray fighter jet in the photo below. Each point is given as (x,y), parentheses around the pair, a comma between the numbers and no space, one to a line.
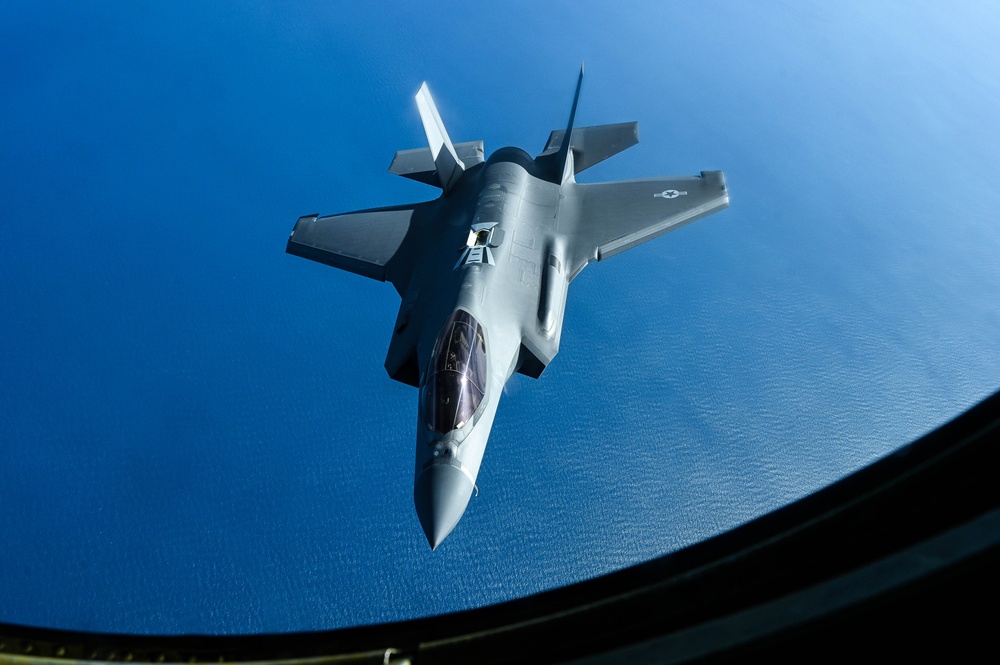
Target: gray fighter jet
(483,272)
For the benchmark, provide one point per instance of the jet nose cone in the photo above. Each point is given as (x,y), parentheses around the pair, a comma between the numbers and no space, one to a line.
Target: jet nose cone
(440,494)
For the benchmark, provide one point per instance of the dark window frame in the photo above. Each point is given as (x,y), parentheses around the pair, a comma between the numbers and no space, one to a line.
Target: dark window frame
(457,375)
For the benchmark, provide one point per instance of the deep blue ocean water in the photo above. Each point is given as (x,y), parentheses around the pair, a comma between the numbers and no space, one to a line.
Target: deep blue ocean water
(197,434)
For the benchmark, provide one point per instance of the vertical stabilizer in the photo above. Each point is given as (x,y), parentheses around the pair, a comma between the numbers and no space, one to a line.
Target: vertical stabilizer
(449,166)
(564,161)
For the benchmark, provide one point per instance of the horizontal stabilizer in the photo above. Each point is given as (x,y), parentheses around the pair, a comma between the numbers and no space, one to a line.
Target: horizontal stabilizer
(418,164)
(591,145)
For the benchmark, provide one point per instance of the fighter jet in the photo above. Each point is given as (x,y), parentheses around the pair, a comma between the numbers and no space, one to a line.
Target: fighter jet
(483,272)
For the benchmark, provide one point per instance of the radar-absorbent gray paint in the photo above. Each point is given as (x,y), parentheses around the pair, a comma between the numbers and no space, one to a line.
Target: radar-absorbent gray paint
(483,272)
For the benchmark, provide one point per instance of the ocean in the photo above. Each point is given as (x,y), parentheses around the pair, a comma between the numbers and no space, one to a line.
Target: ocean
(197,431)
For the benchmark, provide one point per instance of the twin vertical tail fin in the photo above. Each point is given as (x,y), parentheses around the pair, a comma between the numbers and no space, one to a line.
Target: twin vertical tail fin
(449,167)
(566,153)
(571,150)
(442,163)
(565,170)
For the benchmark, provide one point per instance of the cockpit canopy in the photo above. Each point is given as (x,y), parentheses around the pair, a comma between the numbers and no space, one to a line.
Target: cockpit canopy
(456,381)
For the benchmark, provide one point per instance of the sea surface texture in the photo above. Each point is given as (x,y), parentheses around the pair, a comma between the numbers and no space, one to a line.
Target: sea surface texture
(196,430)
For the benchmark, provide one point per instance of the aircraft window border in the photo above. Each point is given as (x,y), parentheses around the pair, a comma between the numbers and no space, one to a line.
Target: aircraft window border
(456,382)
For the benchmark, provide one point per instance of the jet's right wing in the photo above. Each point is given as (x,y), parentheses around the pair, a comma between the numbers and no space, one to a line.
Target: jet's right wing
(371,243)
(616,216)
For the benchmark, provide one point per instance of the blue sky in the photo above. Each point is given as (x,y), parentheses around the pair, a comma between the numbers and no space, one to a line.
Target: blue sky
(198,432)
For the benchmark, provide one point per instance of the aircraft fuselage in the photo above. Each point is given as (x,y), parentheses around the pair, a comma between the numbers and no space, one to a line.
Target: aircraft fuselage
(502,267)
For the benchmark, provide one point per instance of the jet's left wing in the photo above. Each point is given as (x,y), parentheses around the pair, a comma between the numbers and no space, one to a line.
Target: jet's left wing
(371,243)
(615,216)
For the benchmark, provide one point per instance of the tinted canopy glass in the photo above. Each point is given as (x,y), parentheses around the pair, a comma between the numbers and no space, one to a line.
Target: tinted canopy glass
(457,378)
